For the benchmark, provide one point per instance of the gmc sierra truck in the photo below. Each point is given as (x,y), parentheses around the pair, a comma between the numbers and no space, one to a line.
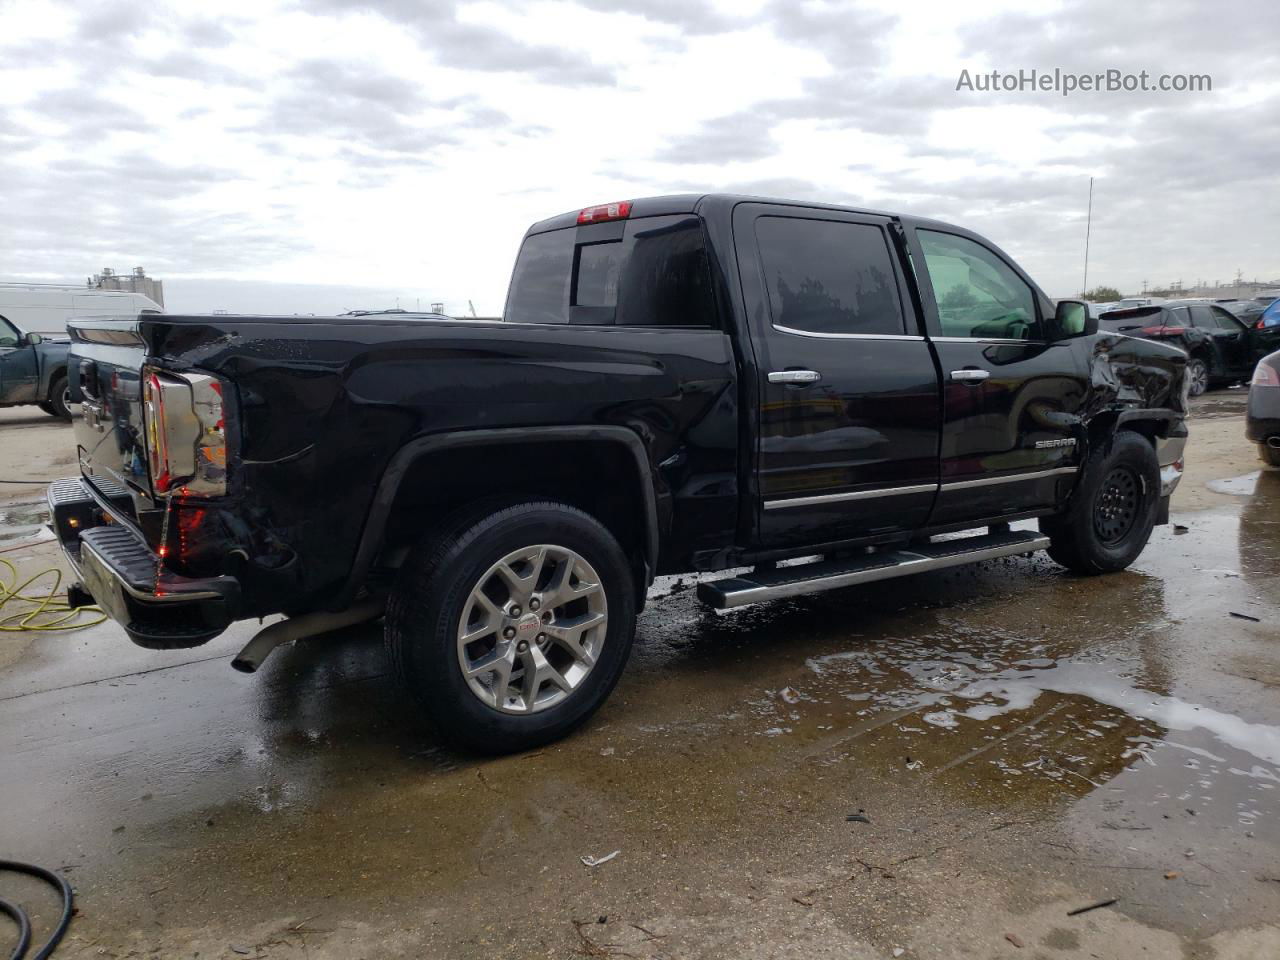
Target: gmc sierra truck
(678,384)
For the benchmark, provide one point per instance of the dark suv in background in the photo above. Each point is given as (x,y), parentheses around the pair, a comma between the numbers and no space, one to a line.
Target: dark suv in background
(1222,349)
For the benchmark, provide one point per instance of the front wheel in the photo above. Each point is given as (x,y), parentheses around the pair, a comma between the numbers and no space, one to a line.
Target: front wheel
(511,624)
(1112,511)
(59,402)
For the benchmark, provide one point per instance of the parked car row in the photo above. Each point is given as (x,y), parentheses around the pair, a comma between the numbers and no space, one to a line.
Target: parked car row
(1222,348)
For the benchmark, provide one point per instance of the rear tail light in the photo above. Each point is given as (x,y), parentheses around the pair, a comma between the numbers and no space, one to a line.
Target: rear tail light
(605,211)
(1164,331)
(1265,376)
(186,433)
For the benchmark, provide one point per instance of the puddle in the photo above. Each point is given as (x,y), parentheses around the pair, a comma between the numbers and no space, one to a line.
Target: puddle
(1005,717)
(1242,486)
(18,521)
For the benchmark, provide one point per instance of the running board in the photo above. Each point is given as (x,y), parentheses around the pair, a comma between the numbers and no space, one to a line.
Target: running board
(885,565)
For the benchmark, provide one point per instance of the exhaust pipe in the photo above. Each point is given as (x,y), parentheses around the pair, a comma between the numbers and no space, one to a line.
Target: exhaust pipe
(250,658)
(1273,443)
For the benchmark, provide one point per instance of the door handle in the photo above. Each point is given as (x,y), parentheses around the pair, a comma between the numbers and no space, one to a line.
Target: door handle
(970,375)
(794,376)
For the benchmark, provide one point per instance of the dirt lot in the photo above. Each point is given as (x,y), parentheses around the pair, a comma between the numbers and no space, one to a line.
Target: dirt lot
(1017,742)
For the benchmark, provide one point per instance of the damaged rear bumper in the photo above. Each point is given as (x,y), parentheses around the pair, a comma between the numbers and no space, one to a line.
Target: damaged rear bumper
(121,574)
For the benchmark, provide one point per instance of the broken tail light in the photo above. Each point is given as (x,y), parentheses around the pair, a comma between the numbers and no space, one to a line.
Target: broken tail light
(186,433)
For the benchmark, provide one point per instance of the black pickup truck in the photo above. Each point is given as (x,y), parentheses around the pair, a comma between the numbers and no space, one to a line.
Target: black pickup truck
(684,383)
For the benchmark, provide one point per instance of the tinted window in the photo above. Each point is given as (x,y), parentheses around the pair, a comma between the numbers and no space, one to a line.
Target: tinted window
(1177,317)
(540,282)
(656,273)
(826,276)
(1202,317)
(1226,321)
(665,275)
(597,271)
(978,294)
(8,335)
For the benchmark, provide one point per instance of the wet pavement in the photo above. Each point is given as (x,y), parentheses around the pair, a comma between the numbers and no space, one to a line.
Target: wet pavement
(1016,742)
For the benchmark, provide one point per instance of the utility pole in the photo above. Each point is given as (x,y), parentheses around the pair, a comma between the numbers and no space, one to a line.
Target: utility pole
(1088,228)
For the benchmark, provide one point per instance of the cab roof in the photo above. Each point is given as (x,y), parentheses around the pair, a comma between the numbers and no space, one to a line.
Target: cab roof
(694,202)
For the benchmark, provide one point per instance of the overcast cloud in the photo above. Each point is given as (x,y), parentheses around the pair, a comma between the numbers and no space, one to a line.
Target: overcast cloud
(305,155)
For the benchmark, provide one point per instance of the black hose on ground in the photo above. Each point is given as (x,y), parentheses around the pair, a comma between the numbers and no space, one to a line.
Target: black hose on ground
(19,916)
(24,927)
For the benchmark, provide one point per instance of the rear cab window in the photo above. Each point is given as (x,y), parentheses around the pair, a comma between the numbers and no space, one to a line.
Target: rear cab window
(644,272)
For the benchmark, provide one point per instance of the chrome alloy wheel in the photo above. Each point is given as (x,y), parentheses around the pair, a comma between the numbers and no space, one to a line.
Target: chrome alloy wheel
(532,628)
(1197,377)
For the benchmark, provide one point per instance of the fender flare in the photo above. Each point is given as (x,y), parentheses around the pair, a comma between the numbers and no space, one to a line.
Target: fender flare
(1166,422)
(371,536)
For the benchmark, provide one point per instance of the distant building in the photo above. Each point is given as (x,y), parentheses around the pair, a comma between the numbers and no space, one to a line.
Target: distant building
(136,282)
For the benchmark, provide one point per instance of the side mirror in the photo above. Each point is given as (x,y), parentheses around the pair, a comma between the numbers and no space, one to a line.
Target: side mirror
(1072,318)
(33,339)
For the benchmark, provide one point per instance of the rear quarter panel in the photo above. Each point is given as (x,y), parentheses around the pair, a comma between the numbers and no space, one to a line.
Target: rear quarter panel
(324,405)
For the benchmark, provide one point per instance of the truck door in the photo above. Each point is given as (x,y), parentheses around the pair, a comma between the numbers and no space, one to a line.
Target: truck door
(18,371)
(1012,393)
(849,407)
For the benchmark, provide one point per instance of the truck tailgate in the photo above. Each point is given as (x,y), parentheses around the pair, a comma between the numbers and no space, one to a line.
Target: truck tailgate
(105,369)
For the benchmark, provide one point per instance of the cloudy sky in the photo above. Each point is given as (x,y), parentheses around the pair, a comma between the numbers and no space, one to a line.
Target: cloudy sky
(324,154)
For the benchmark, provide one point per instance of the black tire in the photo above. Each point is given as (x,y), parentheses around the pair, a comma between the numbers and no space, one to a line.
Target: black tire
(430,597)
(1197,376)
(1113,510)
(57,402)
(1270,455)
(47,407)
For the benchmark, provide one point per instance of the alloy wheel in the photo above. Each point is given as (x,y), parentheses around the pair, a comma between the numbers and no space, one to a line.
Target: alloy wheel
(532,629)
(1197,377)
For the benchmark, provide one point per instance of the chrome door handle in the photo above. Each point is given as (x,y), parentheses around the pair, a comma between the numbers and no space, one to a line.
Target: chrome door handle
(794,376)
(970,376)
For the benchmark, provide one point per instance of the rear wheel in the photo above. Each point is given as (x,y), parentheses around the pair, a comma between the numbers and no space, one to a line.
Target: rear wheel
(59,402)
(511,625)
(1197,376)
(1113,511)
(1270,454)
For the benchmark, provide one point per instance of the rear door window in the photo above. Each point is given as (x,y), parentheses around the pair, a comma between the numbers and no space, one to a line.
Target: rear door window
(1202,317)
(651,271)
(829,276)
(1226,321)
